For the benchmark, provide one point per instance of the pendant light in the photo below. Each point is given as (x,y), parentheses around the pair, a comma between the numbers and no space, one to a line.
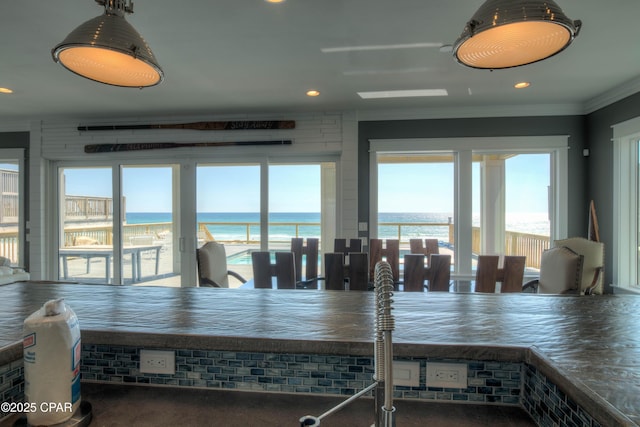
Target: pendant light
(510,33)
(107,49)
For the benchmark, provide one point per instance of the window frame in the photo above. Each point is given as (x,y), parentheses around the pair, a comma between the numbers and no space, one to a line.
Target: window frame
(463,149)
(17,155)
(626,138)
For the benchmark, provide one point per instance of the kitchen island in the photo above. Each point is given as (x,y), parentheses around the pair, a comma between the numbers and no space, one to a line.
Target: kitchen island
(581,350)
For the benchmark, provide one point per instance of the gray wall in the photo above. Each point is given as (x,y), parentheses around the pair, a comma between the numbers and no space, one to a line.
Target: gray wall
(599,175)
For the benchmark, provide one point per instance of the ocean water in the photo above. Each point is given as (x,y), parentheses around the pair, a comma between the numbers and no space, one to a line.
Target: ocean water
(234,226)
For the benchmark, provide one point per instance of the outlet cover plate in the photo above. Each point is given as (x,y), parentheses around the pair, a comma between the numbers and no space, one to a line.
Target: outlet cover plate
(157,362)
(447,375)
(406,373)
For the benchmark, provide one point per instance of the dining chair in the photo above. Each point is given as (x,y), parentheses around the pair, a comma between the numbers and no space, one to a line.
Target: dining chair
(340,276)
(560,272)
(309,253)
(385,250)
(510,275)
(437,274)
(415,273)
(424,247)
(340,245)
(212,266)
(283,270)
(487,273)
(592,279)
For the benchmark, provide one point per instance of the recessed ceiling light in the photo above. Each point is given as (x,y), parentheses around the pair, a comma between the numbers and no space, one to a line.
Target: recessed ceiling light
(378,47)
(5,90)
(313,93)
(403,93)
(275,1)
(521,85)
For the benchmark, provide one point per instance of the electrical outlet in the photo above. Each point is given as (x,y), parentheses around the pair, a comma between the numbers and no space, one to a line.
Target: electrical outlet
(448,375)
(157,362)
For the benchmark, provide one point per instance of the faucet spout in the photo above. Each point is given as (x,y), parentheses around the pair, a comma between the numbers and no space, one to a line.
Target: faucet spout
(383,349)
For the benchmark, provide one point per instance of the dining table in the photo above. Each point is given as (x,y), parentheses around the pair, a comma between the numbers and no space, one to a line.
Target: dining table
(106,251)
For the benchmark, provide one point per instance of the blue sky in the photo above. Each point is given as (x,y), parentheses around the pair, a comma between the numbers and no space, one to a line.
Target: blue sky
(293,188)
(528,180)
(428,187)
(296,188)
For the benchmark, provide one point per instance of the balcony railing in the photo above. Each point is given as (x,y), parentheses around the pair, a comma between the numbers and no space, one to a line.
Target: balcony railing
(529,245)
(250,231)
(516,243)
(9,201)
(9,245)
(103,234)
(77,208)
(84,208)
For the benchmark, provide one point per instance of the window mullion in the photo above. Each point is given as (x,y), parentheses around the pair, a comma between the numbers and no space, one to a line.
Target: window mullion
(117,223)
(264,205)
(463,217)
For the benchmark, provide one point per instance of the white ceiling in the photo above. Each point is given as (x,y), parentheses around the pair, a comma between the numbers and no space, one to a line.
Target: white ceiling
(249,56)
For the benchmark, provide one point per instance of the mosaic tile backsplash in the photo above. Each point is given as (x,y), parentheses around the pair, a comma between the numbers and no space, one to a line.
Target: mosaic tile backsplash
(11,383)
(488,382)
(548,405)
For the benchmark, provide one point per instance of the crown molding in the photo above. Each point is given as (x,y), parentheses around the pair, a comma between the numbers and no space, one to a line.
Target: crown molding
(472,112)
(615,94)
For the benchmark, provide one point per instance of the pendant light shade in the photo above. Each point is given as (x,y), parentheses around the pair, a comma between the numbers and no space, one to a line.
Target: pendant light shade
(510,33)
(107,49)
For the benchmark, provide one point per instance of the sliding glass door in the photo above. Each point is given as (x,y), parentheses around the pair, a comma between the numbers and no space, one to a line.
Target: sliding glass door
(139,224)
(229,211)
(294,203)
(130,242)
(149,225)
(250,207)
(86,224)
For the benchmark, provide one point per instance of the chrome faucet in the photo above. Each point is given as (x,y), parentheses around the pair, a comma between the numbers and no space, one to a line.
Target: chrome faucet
(383,356)
(383,351)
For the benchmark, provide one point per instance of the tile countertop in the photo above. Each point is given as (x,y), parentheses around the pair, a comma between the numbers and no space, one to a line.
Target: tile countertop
(588,345)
